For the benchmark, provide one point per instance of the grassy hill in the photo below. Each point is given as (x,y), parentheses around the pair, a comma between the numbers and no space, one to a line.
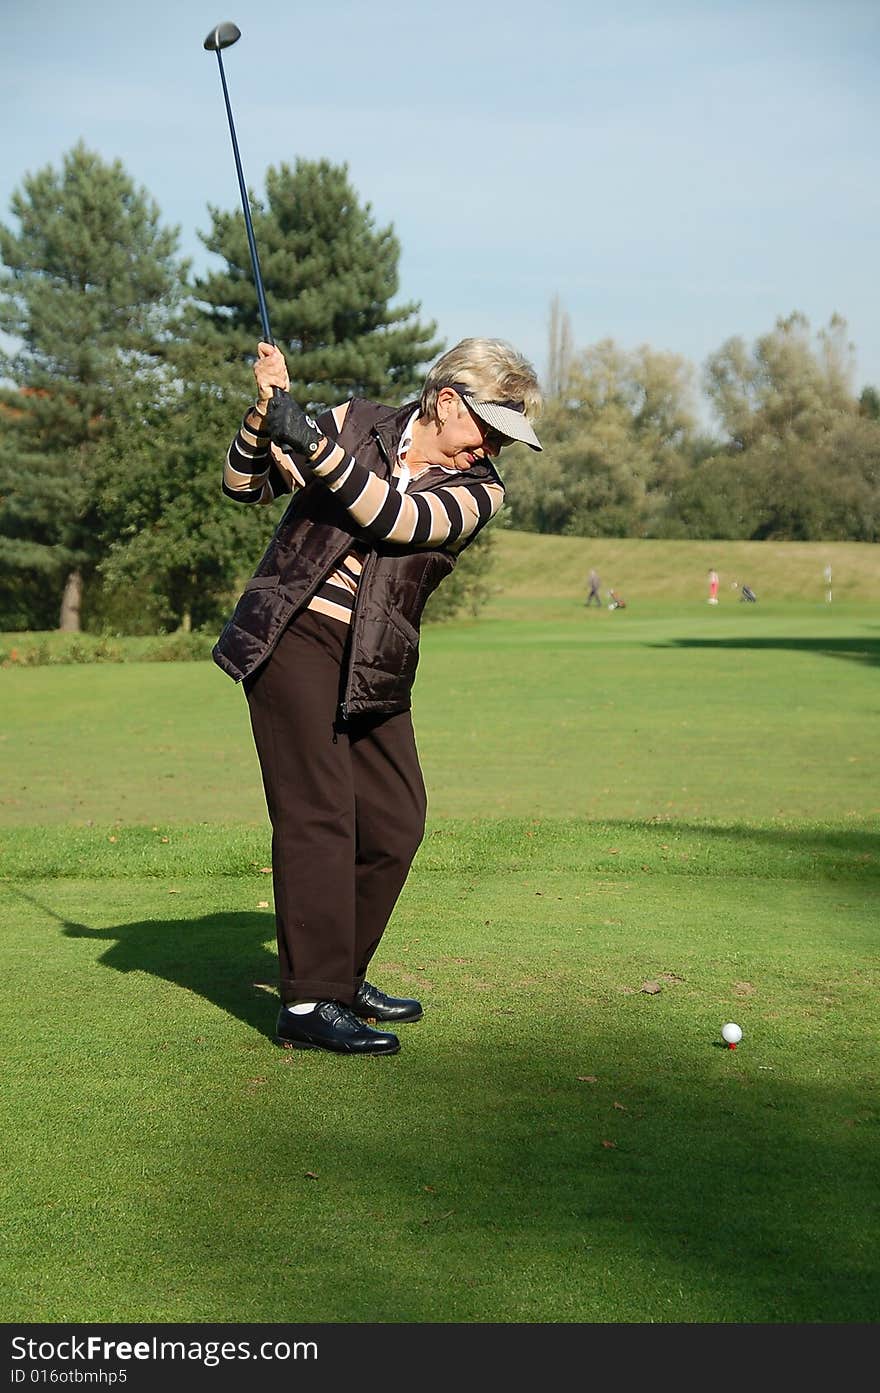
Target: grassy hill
(546,578)
(530,567)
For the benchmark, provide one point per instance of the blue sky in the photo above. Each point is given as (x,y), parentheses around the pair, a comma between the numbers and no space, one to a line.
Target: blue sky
(676,173)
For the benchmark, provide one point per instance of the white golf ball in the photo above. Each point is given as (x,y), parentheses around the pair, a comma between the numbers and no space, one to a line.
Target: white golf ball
(731,1033)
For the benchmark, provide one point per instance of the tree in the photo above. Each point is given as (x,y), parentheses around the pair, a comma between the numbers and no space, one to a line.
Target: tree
(869,403)
(330,276)
(802,458)
(559,350)
(784,388)
(614,439)
(786,490)
(169,535)
(91,287)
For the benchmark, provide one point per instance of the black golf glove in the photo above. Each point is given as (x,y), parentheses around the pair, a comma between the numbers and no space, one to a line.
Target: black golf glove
(288,425)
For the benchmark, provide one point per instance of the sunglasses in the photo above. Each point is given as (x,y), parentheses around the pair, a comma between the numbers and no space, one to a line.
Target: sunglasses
(491,436)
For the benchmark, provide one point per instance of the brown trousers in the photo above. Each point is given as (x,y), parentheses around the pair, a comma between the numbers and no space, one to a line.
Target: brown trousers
(347,806)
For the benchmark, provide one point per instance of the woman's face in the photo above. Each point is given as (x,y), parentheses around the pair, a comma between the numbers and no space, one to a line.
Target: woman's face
(463,437)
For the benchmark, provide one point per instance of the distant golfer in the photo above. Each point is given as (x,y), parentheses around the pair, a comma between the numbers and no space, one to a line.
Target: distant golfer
(595,592)
(827,575)
(325,639)
(713,587)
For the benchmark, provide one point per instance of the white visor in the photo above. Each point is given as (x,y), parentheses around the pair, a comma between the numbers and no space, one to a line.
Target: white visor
(508,420)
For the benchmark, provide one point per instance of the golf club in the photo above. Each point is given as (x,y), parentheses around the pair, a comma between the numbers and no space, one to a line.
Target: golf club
(223,36)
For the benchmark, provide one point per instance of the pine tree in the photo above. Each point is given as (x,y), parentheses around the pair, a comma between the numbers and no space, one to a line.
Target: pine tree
(176,550)
(330,275)
(91,286)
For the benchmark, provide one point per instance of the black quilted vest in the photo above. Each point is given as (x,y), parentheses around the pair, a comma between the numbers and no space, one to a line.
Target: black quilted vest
(310,541)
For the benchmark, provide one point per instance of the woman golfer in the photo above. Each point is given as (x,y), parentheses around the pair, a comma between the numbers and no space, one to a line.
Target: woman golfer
(325,638)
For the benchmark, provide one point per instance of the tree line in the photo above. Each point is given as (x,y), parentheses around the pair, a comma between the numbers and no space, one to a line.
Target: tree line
(126,375)
(797,457)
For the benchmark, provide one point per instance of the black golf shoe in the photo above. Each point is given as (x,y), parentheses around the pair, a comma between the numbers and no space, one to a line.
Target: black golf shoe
(373,1005)
(332,1026)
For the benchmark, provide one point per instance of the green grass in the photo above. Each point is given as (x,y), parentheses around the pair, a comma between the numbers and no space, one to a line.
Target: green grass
(177,1167)
(668,795)
(663,713)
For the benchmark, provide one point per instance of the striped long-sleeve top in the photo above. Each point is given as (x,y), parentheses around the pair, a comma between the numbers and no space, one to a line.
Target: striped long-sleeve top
(446,515)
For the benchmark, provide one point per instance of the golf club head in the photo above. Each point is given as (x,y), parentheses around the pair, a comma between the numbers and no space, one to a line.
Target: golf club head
(222,37)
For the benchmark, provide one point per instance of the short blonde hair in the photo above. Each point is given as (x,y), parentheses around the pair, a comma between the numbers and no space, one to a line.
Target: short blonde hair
(491,369)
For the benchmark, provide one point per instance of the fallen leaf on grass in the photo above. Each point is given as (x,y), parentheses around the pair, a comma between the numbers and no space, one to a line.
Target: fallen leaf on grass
(669,977)
(587,1078)
(621,1107)
(610,1145)
(652,988)
(262,904)
(310,1175)
(265,870)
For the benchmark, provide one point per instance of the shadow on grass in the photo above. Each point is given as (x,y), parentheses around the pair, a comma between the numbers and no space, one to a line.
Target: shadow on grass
(221,957)
(670,1189)
(839,850)
(857,649)
(812,852)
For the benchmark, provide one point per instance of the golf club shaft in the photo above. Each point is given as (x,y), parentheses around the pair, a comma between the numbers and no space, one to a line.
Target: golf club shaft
(255,260)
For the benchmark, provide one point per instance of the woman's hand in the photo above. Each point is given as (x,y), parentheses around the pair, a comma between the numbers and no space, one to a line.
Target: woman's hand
(288,425)
(270,370)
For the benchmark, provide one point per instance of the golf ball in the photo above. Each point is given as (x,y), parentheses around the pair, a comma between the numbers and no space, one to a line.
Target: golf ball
(731,1033)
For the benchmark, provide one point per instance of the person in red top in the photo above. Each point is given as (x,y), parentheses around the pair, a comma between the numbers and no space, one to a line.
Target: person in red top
(713,587)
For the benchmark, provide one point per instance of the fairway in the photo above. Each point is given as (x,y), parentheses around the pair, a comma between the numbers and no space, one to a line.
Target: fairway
(664,711)
(642,824)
